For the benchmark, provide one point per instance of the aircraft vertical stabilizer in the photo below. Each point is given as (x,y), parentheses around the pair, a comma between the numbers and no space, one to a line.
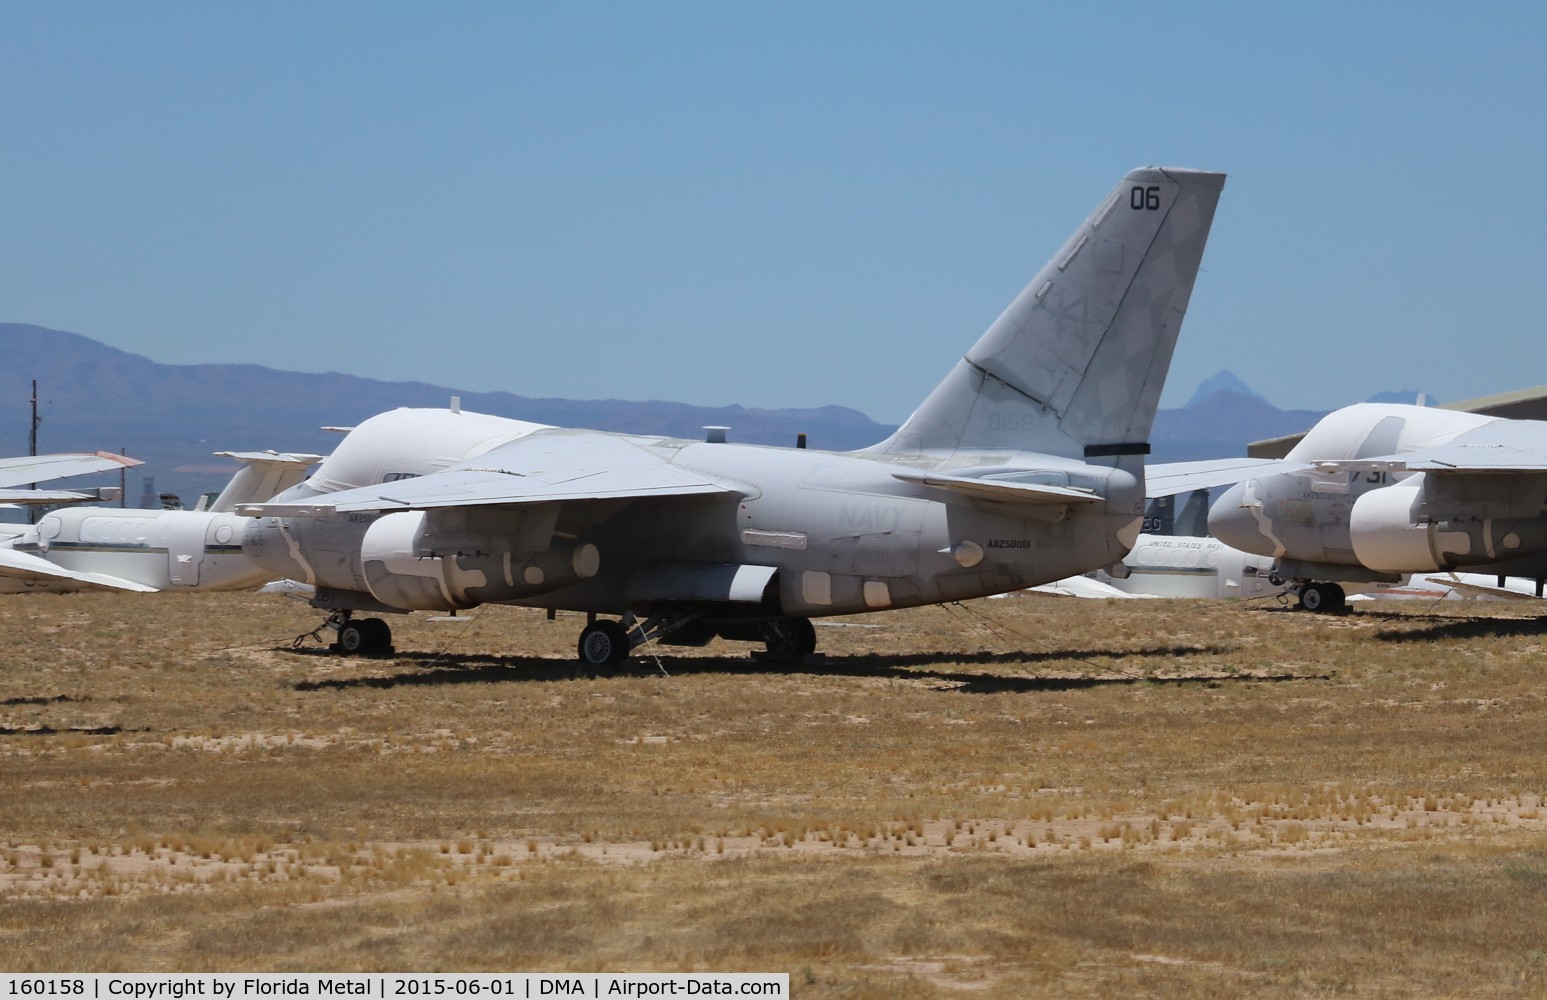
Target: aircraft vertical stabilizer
(1075,365)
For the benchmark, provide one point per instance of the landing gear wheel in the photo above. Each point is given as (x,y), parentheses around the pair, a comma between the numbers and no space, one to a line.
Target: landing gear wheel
(790,638)
(603,643)
(379,634)
(1323,598)
(353,637)
(364,637)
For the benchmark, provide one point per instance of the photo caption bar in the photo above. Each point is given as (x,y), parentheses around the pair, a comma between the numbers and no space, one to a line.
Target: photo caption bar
(388,985)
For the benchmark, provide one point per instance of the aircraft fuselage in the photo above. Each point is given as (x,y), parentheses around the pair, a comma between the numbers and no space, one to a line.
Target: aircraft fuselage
(807,533)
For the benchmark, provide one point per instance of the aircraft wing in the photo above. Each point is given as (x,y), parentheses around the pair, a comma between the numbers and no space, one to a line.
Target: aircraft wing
(540,468)
(1473,589)
(1170,478)
(1084,586)
(12,497)
(1501,448)
(25,566)
(40,468)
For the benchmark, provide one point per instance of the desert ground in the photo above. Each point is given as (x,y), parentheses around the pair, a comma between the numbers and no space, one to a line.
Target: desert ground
(1032,796)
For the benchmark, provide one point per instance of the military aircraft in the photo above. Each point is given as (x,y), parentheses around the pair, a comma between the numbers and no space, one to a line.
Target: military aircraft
(1024,466)
(1389,489)
(114,548)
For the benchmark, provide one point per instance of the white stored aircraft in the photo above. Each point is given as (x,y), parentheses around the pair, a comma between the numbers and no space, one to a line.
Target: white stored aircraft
(112,548)
(1024,466)
(1191,566)
(1384,490)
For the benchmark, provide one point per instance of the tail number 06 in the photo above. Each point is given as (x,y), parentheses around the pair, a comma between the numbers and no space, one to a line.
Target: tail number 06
(1144,199)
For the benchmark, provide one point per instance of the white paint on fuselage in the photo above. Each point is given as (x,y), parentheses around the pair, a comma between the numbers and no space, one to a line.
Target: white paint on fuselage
(163,549)
(1201,567)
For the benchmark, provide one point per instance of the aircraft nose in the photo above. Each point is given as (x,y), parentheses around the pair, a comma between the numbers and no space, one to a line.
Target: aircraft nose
(1237,520)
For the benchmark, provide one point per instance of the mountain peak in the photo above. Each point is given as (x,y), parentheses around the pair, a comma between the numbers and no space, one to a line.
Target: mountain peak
(1222,381)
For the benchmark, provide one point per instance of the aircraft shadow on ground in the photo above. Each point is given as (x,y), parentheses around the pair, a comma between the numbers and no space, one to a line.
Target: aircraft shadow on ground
(1443,627)
(486,669)
(48,730)
(76,730)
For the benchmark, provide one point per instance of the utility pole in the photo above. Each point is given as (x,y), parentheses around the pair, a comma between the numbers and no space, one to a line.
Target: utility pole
(32,447)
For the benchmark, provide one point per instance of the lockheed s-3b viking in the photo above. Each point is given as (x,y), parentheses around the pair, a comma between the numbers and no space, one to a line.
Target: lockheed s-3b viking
(1025,465)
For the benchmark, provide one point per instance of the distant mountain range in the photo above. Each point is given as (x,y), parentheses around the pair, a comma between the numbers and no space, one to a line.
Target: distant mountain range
(96,397)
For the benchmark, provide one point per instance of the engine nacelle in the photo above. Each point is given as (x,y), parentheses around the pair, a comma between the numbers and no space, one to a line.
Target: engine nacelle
(1413,527)
(425,561)
(1385,534)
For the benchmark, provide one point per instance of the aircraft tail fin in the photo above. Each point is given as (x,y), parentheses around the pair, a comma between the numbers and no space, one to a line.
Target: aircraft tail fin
(263,475)
(1075,365)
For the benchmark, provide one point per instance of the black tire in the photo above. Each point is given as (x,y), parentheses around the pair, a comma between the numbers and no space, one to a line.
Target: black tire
(603,643)
(354,638)
(1321,598)
(378,634)
(790,638)
(364,637)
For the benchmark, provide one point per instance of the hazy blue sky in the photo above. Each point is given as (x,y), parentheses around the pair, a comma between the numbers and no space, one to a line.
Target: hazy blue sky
(774,204)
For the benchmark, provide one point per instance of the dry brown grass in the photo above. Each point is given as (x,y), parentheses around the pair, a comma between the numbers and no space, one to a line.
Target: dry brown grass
(1031,796)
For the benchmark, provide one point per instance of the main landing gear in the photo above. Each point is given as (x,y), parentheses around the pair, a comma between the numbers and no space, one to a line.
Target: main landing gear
(360,636)
(608,643)
(604,643)
(789,638)
(1322,598)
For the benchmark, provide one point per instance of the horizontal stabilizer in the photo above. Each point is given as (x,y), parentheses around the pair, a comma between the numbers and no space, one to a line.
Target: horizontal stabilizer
(271,457)
(25,566)
(1004,491)
(263,476)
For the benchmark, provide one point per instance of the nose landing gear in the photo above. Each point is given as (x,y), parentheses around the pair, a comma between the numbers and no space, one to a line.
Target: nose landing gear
(355,637)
